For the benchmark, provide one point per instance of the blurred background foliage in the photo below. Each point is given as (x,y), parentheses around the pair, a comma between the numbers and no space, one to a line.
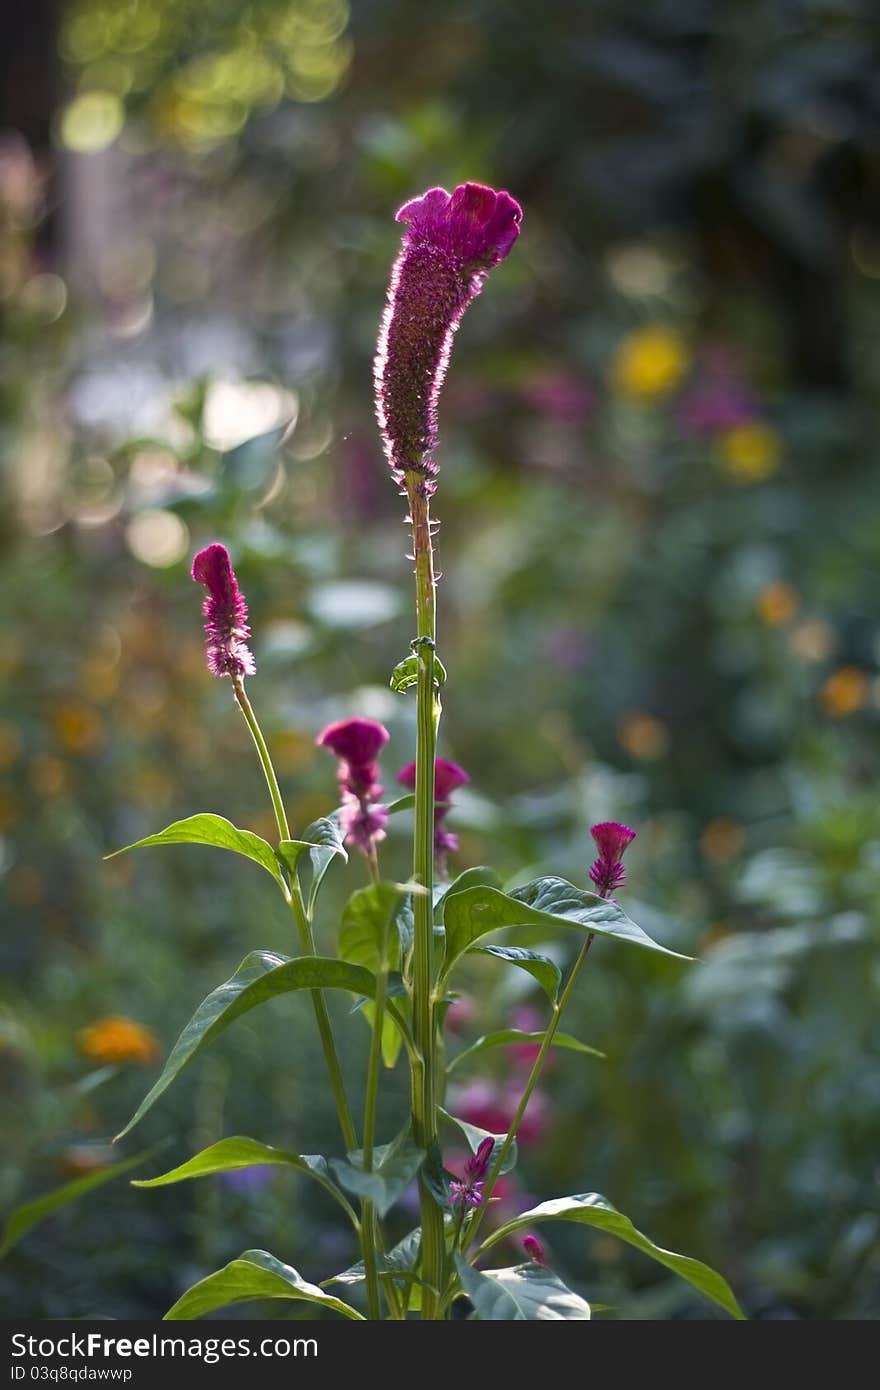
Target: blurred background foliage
(660,545)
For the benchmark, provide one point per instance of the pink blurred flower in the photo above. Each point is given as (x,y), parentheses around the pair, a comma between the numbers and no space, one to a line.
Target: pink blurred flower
(357,743)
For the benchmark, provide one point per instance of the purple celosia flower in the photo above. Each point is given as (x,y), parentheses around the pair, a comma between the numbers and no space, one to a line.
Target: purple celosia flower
(357,743)
(447,778)
(226,619)
(450,245)
(607,871)
(534,1249)
(469,1189)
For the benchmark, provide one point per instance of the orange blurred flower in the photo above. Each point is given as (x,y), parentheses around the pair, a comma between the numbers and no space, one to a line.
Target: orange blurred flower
(116,1039)
(643,735)
(844,692)
(777,604)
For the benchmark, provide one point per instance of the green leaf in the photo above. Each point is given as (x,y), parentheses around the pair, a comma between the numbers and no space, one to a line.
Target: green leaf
(475,1136)
(591,1209)
(469,878)
(366,932)
(325,837)
(228,1155)
(542,968)
(503,1036)
(403,803)
(30,1214)
(392,1038)
(523,1293)
(255,1274)
(546,902)
(394,1167)
(207,829)
(406,674)
(262,975)
(402,1260)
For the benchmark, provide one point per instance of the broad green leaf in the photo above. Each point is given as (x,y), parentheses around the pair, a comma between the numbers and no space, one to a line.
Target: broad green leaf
(504,1036)
(255,1274)
(368,927)
(207,829)
(394,1167)
(321,849)
(480,874)
(402,1259)
(542,968)
(326,837)
(475,1136)
(522,1293)
(30,1214)
(403,803)
(546,902)
(237,1152)
(262,975)
(591,1209)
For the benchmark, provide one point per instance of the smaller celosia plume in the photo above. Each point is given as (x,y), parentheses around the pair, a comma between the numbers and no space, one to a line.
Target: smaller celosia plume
(468,1190)
(226,616)
(450,245)
(607,872)
(447,778)
(357,743)
(534,1249)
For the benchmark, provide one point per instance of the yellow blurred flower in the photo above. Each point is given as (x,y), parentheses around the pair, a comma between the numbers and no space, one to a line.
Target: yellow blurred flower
(844,692)
(77,727)
(649,362)
(48,775)
(722,840)
(117,1039)
(751,453)
(777,604)
(643,736)
(812,639)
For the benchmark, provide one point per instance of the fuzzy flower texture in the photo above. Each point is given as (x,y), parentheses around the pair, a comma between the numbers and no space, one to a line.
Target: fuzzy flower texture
(357,743)
(607,872)
(226,616)
(451,243)
(448,777)
(468,1190)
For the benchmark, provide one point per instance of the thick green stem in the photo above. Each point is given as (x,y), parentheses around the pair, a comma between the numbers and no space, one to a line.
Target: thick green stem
(534,1077)
(375,1062)
(424,1101)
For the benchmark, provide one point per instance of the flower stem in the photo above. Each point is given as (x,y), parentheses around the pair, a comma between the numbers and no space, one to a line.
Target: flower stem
(534,1077)
(424,1100)
(375,1061)
(303,926)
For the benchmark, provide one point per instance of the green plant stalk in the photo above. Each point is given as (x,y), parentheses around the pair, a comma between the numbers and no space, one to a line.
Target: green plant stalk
(368,1211)
(322,1016)
(531,1083)
(424,1098)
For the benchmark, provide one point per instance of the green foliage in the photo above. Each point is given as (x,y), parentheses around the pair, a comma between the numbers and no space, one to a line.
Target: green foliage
(30,1214)
(504,1036)
(208,829)
(524,1293)
(255,1274)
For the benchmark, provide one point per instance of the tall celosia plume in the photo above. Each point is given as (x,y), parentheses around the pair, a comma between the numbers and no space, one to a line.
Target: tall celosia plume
(226,615)
(447,778)
(607,872)
(451,243)
(357,743)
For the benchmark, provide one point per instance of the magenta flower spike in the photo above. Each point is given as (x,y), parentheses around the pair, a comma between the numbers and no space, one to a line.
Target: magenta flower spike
(226,616)
(468,1190)
(451,243)
(447,778)
(607,872)
(357,744)
(534,1249)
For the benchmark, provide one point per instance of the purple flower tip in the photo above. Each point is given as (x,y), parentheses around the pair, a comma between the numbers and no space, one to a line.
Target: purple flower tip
(450,244)
(356,743)
(447,778)
(612,839)
(534,1249)
(225,612)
